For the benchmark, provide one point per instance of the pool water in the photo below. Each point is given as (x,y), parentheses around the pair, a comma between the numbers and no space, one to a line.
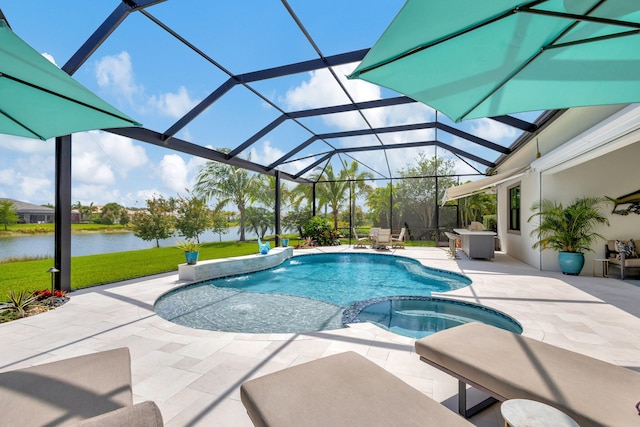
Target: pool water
(304,294)
(417,317)
(346,278)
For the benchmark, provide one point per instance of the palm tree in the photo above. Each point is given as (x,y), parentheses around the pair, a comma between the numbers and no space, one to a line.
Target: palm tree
(378,202)
(228,184)
(299,195)
(78,206)
(570,228)
(336,189)
(259,219)
(331,193)
(357,184)
(90,210)
(476,206)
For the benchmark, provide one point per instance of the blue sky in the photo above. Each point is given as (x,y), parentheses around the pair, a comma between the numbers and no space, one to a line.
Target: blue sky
(155,79)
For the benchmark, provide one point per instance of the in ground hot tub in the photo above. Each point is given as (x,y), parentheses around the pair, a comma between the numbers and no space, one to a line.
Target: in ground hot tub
(417,317)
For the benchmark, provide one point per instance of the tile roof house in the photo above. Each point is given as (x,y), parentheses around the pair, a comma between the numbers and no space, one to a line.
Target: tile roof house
(32,214)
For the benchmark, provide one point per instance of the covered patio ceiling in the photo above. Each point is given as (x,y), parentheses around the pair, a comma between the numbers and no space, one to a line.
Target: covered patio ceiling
(375,127)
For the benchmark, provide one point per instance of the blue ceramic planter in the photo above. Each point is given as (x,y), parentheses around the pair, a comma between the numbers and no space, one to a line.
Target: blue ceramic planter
(192,257)
(571,262)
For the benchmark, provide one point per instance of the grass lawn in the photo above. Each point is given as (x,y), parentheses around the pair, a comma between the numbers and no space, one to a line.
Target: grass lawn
(13,229)
(105,268)
(93,270)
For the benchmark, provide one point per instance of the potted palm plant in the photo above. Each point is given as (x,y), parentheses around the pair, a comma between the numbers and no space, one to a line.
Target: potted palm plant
(569,230)
(190,249)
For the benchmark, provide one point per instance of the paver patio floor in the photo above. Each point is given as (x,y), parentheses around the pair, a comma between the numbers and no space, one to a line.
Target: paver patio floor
(194,375)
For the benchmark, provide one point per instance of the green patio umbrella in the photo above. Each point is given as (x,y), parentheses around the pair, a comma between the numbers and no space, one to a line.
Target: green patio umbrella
(483,58)
(39,100)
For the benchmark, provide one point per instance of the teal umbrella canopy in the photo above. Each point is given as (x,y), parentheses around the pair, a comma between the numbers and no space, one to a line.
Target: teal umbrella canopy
(39,100)
(483,58)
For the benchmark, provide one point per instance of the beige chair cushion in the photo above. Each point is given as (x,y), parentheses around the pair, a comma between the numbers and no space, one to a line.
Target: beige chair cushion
(145,414)
(629,262)
(341,390)
(593,392)
(67,391)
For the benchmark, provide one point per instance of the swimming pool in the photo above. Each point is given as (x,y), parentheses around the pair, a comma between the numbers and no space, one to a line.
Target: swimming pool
(417,317)
(307,293)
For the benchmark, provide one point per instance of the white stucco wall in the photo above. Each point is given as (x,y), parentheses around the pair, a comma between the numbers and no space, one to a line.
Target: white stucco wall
(612,174)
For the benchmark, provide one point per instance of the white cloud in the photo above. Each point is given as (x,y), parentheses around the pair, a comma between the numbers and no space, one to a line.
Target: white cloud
(265,154)
(26,145)
(116,73)
(123,154)
(173,104)
(492,130)
(7,177)
(90,168)
(33,187)
(195,163)
(50,58)
(138,199)
(322,90)
(173,172)
(95,193)
(97,156)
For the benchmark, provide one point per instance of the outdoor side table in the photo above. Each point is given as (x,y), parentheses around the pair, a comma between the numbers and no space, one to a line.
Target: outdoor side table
(604,266)
(529,413)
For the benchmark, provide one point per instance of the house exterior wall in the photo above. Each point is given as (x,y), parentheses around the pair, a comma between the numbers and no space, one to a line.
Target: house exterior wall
(610,173)
(35,217)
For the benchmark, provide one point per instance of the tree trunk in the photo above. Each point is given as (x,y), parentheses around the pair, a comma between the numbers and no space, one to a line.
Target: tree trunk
(242,235)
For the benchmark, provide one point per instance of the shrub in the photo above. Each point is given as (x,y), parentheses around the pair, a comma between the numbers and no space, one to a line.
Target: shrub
(320,230)
(20,302)
(46,293)
(490,222)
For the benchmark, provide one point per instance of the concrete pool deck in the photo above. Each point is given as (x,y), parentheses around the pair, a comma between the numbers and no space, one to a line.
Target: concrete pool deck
(194,375)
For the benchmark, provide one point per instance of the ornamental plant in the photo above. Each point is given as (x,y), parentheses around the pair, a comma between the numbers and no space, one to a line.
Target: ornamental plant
(20,302)
(46,293)
(319,230)
(570,228)
(188,246)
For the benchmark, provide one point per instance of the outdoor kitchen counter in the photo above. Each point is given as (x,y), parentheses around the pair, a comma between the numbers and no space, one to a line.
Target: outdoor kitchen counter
(477,244)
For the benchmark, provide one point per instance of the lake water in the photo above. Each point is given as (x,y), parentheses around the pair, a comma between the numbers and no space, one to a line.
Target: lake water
(98,243)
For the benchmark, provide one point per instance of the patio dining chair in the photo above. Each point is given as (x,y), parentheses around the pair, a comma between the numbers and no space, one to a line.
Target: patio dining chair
(383,240)
(373,236)
(398,242)
(360,242)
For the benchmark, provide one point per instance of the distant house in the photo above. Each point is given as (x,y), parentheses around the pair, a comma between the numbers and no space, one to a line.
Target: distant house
(32,214)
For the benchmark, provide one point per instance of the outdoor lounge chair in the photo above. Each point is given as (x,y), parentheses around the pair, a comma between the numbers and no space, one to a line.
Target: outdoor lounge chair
(383,240)
(620,258)
(373,235)
(345,389)
(510,366)
(92,390)
(398,242)
(360,242)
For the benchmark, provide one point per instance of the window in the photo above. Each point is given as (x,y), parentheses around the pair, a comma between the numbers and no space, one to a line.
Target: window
(514,208)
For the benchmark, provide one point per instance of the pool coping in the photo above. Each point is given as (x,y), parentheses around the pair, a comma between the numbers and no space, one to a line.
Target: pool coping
(351,314)
(224,267)
(232,267)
